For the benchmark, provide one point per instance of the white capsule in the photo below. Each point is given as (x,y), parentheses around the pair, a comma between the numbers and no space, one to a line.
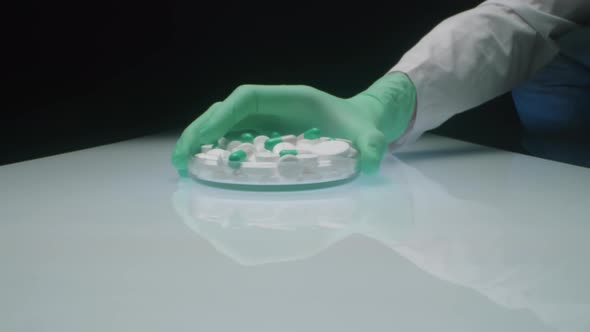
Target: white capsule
(349,142)
(249,148)
(232,145)
(223,158)
(216,152)
(289,139)
(206,156)
(207,147)
(331,149)
(290,167)
(222,142)
(304,150)
(305,145)
(266,156)
(259,142)
(306,141)
(282,146)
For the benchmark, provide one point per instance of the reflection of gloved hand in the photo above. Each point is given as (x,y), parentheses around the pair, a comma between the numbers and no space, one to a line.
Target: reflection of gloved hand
(370,119)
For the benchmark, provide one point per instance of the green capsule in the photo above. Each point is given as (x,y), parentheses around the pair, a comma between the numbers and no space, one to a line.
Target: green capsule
(284,152)
(236,135)
(274,134)
(238,155)
(270,143)
(312,133)
(247,138)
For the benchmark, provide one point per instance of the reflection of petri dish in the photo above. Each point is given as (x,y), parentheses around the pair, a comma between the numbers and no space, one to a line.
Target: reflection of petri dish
(324,163)
(267,225)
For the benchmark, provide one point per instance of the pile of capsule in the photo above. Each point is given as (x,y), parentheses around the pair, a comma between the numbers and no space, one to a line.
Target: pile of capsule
(276,159)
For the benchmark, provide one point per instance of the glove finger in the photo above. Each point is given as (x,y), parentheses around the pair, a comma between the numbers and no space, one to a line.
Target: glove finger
(190,141)
(372,146)
(266,106)
(238,105)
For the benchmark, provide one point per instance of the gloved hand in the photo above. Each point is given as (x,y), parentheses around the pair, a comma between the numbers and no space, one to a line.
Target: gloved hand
(371,119)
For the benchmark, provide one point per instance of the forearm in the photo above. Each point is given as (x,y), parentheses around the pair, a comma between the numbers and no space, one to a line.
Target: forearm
(481,53)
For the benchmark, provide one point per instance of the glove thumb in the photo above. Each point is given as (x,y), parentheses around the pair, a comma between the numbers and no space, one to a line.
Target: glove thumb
(371,145)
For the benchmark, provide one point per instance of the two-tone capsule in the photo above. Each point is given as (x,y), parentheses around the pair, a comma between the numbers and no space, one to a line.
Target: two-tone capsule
(242,152)
(310,134)
(270,143)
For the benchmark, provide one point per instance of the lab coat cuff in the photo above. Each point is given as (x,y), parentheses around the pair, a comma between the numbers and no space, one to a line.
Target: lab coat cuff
(415,128)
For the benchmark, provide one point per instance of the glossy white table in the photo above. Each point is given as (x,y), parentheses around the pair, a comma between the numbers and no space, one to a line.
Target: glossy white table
(450,237)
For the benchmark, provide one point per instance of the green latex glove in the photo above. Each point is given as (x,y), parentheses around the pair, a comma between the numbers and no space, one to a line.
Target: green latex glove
(371,119)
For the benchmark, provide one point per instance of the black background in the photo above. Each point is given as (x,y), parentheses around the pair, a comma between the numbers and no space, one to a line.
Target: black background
(81,74)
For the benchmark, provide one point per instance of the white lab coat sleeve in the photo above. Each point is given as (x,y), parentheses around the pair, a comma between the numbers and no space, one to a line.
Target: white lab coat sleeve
(482,53)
